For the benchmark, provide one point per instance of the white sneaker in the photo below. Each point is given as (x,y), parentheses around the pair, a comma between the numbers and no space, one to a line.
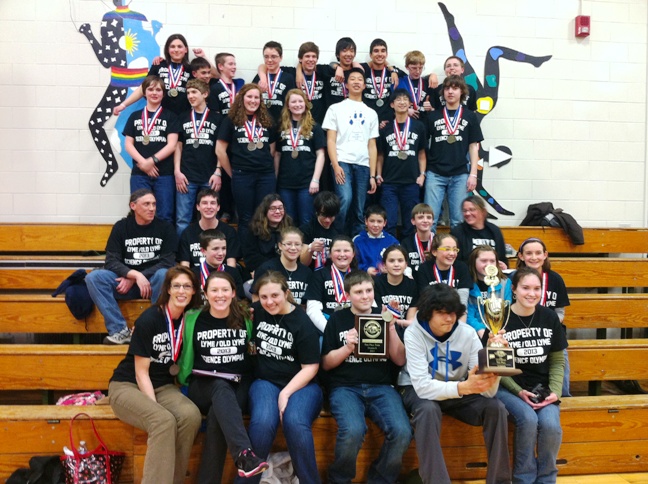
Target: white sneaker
(121,338)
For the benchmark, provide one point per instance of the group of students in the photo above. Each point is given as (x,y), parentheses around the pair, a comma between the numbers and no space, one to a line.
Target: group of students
(358,129)
(276,358)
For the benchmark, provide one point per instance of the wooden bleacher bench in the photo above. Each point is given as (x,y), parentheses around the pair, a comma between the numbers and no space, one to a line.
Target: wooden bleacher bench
(601,434)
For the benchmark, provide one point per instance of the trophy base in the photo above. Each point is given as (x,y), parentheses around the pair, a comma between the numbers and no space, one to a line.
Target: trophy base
(499,361)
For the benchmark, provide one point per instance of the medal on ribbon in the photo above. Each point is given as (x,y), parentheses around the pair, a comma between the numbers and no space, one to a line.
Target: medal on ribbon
(451,275)
(272,85)
(199,128)
(294,134)
(175,74)
(543,298)
(452,124)
(175,339)
(395,309)
(148,123)
(252,134)
(401,138)
(310,87)
(416,95)
(379,90)
(419,248)
(231,91)
(338,285)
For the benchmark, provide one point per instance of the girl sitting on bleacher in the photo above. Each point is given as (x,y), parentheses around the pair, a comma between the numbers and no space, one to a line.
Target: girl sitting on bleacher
(142,389)
(533,253)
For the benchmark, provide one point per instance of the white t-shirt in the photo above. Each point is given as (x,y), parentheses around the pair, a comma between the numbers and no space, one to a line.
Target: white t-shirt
(355,124)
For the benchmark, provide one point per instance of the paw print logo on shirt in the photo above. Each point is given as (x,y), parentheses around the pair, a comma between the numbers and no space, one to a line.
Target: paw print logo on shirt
(357,118)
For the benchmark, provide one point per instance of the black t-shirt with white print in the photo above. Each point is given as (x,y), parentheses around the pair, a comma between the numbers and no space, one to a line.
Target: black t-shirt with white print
(219,98)
(217,347)
(406,293)
(314,231)
(426,276)
(353,370)
(297,280)
(189,248)
(396,171)
(165,124)
(179,103)
(413,256)
(372,92)
(150,340)
(198,164)
(320,288)
(275,103)
(449,159)
(318,101)
(438,101)
(241,158)
(297,173)
(533,339)
(283,344)
(556,292)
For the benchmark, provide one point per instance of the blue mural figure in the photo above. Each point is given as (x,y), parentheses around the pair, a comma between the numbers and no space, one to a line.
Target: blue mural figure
(127,46)
(487,96)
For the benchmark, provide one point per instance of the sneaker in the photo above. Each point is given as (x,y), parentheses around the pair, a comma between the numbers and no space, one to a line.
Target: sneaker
(121,338)
(249,464)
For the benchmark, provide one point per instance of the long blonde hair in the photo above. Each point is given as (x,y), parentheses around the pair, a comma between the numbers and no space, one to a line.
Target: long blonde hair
(306,122)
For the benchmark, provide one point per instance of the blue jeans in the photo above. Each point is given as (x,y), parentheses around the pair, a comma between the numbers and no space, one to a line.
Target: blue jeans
(248,189)
(185,205)
(541,428)
(352,195)
(303,407)
(565,389)
(298,204)
(163,188)
(436,188)
(383,405)
(102,285)
(405,195)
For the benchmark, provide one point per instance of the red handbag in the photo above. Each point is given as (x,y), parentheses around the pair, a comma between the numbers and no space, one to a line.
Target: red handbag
(98,466)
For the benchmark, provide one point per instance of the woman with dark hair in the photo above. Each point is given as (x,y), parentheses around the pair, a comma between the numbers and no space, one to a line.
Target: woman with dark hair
(300,156)
(284,391)
(245,150)
(174,71)
(532,397)
(142,389)
(476,230)
(259,242)
(222,325)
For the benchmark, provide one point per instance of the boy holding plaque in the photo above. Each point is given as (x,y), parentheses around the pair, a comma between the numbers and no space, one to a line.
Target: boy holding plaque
(440,377)
(361,386)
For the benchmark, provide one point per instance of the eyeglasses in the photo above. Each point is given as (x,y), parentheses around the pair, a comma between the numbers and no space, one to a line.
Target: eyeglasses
(449,249)
(292,244)
(275,209)
(177,287)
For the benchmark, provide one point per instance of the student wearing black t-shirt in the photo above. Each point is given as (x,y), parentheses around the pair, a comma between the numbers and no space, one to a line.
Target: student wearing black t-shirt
(207,205)
(300,156)
(453,66)
(444,268)
(362,387)
(417,85)
(287,264)
(393,290)
(380,82)
(319,232)
(174,71)
(536,335)
(275,82)
(213,249)
(285,389)
(151,137)
(476,230)
(216,340)
(195,155)
(345,52)
(139,251)
(400,167)
(419,244)
(245,150)
(454,137)
(259,243)
(143,391)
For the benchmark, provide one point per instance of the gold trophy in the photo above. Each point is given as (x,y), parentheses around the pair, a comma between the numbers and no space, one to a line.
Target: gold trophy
(494,313)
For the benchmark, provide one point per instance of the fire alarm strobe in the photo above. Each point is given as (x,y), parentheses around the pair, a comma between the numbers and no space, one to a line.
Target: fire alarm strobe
(582,26)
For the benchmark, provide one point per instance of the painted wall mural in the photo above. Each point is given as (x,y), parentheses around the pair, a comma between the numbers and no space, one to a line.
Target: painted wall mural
(127,46)
(487,92)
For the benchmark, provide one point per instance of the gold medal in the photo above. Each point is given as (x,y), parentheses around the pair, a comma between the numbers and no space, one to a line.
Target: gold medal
(251,146)
(259,145)
(402,155)
(146,140)
(173,92)
(295,154)
(174,369)
(452,138)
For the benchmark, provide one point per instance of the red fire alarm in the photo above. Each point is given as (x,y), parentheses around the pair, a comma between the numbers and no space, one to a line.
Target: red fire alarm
(582,26)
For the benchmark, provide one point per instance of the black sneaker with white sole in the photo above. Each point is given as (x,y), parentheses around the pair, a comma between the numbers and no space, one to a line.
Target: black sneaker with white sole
(249,464)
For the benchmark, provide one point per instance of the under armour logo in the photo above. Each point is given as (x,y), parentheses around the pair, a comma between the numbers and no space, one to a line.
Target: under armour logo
(452,360)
